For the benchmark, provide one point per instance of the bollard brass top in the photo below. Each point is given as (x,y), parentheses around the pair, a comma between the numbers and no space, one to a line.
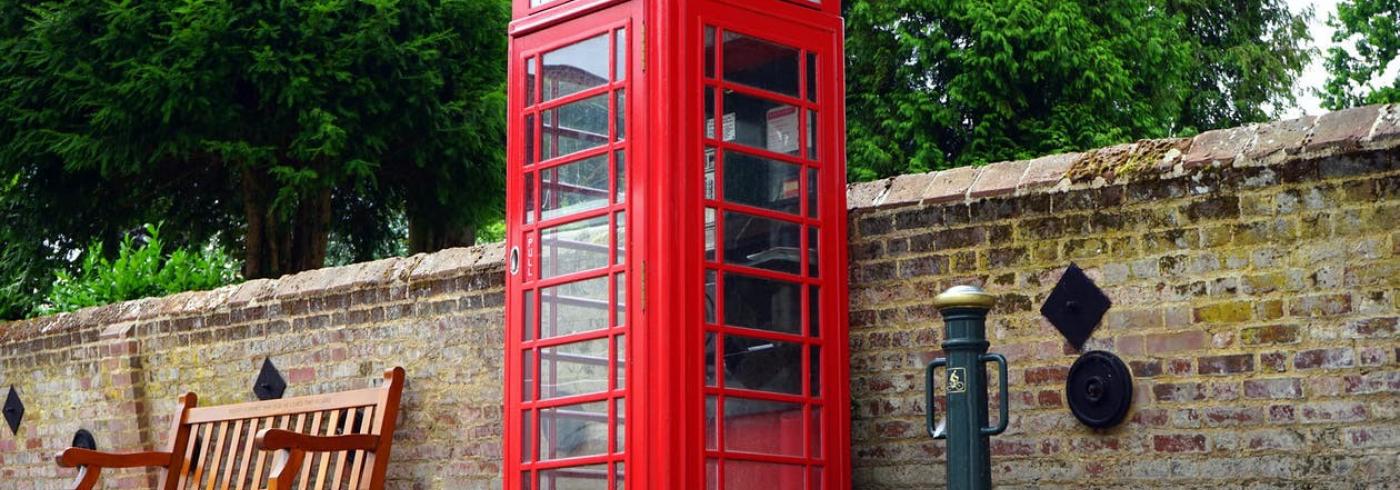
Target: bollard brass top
(964,297)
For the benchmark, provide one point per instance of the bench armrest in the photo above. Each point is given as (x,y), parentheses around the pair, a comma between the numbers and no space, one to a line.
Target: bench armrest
(90,463)
(75,456)
(291,448)
(279,439)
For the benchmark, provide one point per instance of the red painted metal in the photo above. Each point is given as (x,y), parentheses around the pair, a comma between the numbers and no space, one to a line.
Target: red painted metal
(792,434)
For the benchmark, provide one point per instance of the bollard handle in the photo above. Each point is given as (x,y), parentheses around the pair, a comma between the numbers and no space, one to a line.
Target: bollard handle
(929,401)
(1005,394)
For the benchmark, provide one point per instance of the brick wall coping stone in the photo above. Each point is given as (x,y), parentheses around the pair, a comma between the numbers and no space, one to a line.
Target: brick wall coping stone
(1356,130)
(117,317)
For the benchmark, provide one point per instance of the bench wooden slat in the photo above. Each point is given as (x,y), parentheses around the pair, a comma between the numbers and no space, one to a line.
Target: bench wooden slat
(344,399)
(358,465)
(241,482)
(220,448)
(348,421)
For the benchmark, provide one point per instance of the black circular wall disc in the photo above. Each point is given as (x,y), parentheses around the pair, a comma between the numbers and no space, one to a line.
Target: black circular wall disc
(1099,389)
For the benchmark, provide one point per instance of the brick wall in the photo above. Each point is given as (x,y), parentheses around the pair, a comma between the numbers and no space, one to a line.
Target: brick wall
(1255,274)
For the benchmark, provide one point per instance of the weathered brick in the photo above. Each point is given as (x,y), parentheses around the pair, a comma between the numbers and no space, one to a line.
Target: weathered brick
(1179,443)
(1176,342)
(1227,364)
(1273,388)
(1269,334)
(1324,358)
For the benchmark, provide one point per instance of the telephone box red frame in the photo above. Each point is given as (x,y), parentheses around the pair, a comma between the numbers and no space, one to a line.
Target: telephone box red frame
(662,423)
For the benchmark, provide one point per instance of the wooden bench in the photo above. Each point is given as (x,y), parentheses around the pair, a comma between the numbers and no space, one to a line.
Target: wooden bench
(330,441)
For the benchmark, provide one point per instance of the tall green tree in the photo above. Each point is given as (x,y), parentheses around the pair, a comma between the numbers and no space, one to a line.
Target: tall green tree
(1249,54)
(1372,29)
(943,83)
(272,124)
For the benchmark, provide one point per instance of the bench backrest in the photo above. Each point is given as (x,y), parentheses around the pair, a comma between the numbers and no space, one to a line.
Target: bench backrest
(213,446)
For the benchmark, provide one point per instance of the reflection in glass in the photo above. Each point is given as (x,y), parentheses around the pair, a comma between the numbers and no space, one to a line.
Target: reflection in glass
(816,431)
(764,304)
(711,350)
(812,132)
(620,55)
(620,231)
(710,234)
(574,369)
(529,198)
(812,192)
(709,52)
(574,247)
(528,329)
(763,365)
(572,431)
(762,243)
(621,283)
(761,182)
(591,477)
(576,67)
(758,475)
(761,123)
(710,112)
(814,295)
(579,306)
(527,369)
(813,255)
(780,422)
(530,81)
(620,362)
(710,173)
(760,64)
(710,297)
(814,370)
(620,425)
(574,187)
(812,77)
(527,438)
(619,476)
(620,116)
(711,422)
(620,175)
(574,127)
(529,139)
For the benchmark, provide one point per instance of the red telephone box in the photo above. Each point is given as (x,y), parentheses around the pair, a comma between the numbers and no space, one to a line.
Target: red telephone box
(676,293)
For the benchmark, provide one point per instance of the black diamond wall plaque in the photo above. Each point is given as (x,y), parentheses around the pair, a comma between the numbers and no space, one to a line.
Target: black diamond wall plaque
(270,384)
(1076,306)
(14,410)
(84,439)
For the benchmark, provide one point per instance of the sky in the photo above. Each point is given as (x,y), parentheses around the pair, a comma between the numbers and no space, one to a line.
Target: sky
(1315,74)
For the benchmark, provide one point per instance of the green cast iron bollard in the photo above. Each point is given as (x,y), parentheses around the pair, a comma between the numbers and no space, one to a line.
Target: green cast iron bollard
(964,310)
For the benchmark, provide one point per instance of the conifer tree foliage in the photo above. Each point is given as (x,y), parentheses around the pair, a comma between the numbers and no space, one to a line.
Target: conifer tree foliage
(1372,28)
(270,123)
(935,84)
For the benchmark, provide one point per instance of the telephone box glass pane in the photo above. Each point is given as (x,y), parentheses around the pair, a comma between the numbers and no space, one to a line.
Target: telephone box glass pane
(764,304)
(527,437)
(572,431)
(812,77)
(579,368)
(530,81)
(591,477)
(759,123)
(574,247)
(576,307)
(527,373)
(762,243)
(620,55)
(761,64)
(757,475)
(574,127)
(761,182)
(764,427)
(762,365)
(574,187)
(575,68)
